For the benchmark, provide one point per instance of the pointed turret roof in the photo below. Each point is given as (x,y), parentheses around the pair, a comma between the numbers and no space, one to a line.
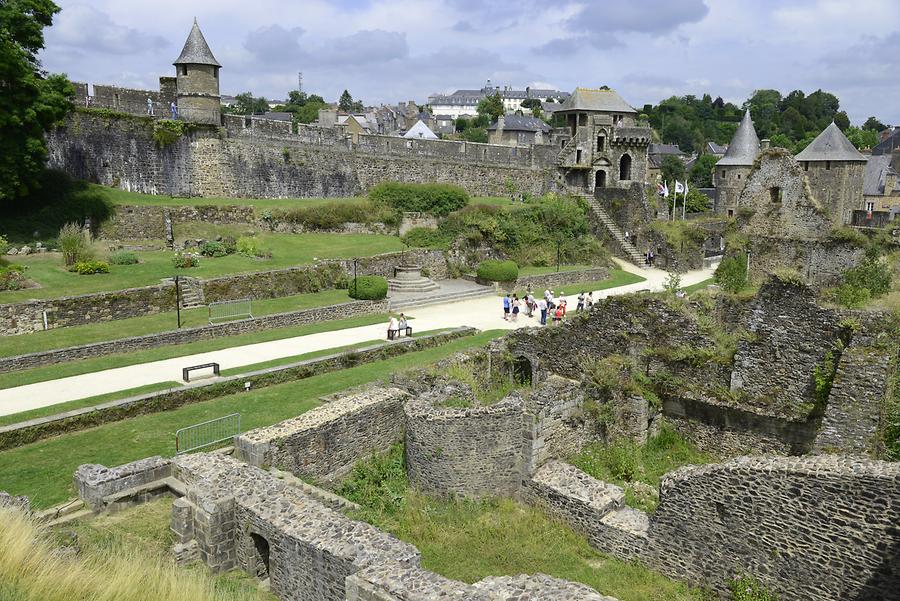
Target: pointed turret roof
(831,145)
(588,99)
(744,145)
(196,51)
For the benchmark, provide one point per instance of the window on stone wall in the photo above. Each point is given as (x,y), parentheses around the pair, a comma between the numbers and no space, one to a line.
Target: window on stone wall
(731,212)
(578,156)
(582,119)
(601,143)
(184,69)
(216,72)
(723,174)
(806,165)
(775,194)
(828,165)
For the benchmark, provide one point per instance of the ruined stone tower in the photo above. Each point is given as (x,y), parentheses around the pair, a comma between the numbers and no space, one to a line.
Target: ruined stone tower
(197,74)
(835,170)
(732,169)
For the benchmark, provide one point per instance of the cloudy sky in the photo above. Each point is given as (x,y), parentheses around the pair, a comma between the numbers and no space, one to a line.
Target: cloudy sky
(390,50)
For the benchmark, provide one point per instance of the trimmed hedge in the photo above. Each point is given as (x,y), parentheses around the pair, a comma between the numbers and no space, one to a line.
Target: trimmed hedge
(90,267)
(435,199)
(494,270)
(368,287)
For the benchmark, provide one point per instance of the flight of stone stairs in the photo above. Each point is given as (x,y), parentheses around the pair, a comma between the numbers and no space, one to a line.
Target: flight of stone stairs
(630,251)
(191,293)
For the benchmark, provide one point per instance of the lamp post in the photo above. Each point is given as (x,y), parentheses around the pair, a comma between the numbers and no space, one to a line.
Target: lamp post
(748,264)
(355,263)
(178,300)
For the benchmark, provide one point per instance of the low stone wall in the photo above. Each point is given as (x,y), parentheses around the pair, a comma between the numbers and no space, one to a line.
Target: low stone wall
(141,222)
(28,317)
(326,442)
(475,452)
(23,433)
(277,283)
(539,283)
(821,263)
(186,335)
(96,482)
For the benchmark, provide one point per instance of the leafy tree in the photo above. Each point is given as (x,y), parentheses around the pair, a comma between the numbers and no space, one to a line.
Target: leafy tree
(462,124)
(246,104)
(701,175)
(30,101)
(531,103)
(671,169)
(842,120)
(475,134)
(345,104)
(491,107)
(874,124)
(862,138)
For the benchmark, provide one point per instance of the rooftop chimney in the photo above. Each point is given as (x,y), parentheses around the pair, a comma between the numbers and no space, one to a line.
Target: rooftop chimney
(765,143)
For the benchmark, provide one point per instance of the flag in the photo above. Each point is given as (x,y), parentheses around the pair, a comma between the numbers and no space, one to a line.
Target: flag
(665,189)
(660,190)
(679,187)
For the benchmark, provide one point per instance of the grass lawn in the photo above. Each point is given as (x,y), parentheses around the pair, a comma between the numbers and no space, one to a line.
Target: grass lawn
(74,368)
(151,324)
(699,285)
(533,270)
(636,467)
(288,250)
(144,530)
(469,540)
(43,470)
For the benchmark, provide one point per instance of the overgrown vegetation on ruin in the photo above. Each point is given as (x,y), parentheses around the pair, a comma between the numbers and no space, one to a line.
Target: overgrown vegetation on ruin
(334,214)
(639,468)
(106,560)
(529,234)
(890,434)
(469,540)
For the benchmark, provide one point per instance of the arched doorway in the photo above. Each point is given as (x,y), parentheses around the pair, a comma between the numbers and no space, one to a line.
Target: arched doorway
(625,168)
(261,555)
(600,179)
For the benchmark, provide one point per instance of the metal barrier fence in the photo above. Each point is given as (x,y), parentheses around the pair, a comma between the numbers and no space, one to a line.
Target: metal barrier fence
(229,310)
(207,434)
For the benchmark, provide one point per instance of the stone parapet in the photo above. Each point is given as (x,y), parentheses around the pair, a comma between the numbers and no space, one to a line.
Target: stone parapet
(96,482)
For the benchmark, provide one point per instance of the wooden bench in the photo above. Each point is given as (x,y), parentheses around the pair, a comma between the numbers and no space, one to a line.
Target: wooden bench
(185,373)
(394,334)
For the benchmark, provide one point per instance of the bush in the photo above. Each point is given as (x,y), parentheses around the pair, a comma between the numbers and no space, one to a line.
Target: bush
(249,247)
(12,276)
(748,589)
(123,257)
(332,215)
(368,287)
(72,243)
(185,260)
(423,237)
(435,199)
(494,270)
(213,249)
(90,267)
(731,274)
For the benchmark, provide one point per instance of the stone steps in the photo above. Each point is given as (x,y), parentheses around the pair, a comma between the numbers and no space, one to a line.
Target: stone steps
(432,299)
(418,285)
(630,251)
(191,293)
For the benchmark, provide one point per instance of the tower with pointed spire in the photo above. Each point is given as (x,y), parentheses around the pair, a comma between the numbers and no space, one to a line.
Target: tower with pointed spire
(197,75)
(732,169)
(835,170)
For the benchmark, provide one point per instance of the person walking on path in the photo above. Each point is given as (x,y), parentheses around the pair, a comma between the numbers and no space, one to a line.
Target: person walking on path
(542,307)
(589,301)
(558,314)
(506,307)
(515,307)
(393,328)
(580,306)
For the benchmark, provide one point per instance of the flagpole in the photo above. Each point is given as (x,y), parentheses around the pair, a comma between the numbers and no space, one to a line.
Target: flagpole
(674,200)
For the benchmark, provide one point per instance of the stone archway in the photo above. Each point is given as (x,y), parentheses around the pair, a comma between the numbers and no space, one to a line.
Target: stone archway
(261,555)
(523,370)
(625,168)
(600,179)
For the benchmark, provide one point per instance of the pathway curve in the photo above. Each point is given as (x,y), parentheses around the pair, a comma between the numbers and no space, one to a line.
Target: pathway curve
(483,313)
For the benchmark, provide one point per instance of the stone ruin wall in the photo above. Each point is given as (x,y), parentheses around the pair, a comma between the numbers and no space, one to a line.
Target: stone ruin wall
(821,263)
(325,444)
(121,152)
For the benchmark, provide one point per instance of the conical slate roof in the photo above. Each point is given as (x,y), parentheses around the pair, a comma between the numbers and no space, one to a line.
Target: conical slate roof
(588,99)
(831,145)
(196,51)
(744,145)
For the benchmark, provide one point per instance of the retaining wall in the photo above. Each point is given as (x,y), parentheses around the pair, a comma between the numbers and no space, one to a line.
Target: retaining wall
(326,442)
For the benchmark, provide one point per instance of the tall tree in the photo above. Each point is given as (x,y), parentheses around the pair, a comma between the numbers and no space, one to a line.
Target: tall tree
(874,124)
(672,169)
(701,175)
(247,104)
(30,101)
(491,107)
(345,104)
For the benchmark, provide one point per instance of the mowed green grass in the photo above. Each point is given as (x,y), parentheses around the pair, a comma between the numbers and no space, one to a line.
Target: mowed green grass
(288,250)
(43,470)
(159,322)
(74,368)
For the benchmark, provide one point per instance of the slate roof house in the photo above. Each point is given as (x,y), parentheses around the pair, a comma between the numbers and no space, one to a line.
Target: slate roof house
(518,130)
(465,102)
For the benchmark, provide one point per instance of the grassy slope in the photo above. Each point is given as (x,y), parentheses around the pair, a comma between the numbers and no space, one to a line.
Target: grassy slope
(288,250)
(43,470)
(73,368)
(699,286)
(150,324)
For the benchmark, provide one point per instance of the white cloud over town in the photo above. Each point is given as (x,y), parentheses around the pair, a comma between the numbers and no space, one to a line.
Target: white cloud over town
(387,50)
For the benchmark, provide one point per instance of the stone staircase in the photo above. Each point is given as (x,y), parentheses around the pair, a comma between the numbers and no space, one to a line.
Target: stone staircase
(629,250)
(409,278)
(191,293)
(432,299)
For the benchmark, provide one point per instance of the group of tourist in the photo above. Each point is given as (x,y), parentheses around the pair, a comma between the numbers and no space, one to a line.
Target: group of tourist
(398,327)
(551,305)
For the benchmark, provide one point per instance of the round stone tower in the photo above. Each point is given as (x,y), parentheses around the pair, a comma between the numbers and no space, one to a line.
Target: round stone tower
(732,169)
(197,75)
(835,170)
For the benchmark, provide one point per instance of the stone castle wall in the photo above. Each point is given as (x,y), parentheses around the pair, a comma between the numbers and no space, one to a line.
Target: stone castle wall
(266,162)
(476,452)
(325,443)
(820,262)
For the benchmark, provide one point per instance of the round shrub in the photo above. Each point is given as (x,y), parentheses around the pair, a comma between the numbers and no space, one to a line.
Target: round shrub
(90,267)
(368,287)
(435,199)
(185,260)
(494,270)
(213,248)
(123,257)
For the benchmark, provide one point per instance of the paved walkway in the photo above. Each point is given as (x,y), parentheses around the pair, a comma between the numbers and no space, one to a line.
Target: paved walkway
(483,313)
